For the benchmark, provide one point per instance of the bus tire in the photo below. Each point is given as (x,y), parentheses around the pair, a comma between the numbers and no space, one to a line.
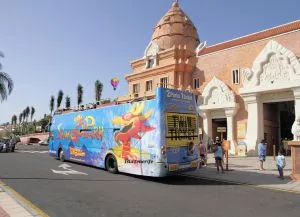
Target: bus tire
(111,164)
(61,155)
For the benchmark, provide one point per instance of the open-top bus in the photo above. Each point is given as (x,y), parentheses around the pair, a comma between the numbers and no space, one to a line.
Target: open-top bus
(155,137)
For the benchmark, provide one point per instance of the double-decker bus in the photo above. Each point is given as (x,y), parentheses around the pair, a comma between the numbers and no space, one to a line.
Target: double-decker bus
(152,137)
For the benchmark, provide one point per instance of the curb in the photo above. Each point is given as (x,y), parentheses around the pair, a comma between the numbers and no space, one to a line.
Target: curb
(245,184)
(26,204)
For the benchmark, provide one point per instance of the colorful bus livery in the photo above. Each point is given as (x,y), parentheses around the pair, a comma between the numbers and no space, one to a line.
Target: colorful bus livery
(155,137)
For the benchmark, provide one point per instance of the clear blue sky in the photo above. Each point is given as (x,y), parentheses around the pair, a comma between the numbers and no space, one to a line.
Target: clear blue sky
(56,44)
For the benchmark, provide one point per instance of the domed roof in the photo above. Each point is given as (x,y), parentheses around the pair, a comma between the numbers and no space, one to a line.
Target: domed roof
(175,28)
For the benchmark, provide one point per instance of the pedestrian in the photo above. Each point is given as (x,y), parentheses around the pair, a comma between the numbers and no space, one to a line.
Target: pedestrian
(202,150)
(210,144)
(285,146)
(261,154)
(280,162)
(219,155)
(214,148)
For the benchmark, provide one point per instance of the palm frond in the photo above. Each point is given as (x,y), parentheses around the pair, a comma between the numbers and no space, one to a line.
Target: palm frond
(3,92)
(1,55)
(7,81)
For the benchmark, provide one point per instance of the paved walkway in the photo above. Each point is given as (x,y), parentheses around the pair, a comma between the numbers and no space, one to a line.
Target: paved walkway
(14,205)
(245,170)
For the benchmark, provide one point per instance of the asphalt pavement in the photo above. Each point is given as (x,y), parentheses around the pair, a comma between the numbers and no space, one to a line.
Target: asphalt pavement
(89,191)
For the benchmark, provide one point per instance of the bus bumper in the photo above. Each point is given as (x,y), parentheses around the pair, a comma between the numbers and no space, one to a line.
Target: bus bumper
(182,168)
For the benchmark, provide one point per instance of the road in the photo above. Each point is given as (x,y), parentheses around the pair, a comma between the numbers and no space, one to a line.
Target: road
(95,192)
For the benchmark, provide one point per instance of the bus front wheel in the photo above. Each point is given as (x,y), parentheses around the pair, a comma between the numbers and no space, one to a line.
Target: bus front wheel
(61,155)
(111,164)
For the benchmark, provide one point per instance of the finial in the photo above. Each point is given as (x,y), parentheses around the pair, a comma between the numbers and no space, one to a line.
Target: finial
(175,3)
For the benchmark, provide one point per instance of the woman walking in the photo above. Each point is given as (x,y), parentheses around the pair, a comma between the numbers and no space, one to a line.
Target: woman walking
(261,154)
(219,155)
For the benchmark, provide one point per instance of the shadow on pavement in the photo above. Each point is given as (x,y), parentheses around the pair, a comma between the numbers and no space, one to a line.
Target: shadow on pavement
(244,175)
(184,180)
(170,180)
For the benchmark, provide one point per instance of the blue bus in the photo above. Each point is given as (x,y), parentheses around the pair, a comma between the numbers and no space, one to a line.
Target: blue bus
(152,137)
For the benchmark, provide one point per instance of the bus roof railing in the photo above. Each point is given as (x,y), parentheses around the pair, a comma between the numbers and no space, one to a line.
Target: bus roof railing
(108,102)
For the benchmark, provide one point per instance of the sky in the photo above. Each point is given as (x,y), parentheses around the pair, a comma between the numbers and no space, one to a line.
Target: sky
(53,45)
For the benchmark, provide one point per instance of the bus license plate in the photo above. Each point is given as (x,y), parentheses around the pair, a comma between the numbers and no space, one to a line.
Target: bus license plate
(173,167)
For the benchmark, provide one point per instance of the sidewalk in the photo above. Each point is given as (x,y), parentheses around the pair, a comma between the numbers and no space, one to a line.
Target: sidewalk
(13,205)
(244,170)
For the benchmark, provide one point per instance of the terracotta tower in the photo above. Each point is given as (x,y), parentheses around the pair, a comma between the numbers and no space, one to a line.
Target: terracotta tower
(169,59)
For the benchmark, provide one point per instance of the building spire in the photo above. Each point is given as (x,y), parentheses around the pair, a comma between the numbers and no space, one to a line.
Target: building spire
(175,3)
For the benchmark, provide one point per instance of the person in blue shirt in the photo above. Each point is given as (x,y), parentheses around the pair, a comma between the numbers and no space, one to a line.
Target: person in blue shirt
(262,154)
(219,155)
(280,162)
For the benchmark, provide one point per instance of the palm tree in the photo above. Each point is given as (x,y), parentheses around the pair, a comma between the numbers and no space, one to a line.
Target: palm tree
(59,98)
(14,120)
(6,83)
(24,119)
(27,112)
(51,104)
(68,102)
(20,121)
(32,113)
(79,94)
(24,115)
(98,90)
(20,118)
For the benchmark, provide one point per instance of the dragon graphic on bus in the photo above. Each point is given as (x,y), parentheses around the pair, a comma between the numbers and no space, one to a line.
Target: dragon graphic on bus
(133,123)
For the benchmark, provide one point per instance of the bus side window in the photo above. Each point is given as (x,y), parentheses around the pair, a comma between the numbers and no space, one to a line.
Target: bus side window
(116,129)
(83,130)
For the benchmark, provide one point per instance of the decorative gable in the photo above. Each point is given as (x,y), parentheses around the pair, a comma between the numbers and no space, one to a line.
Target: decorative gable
(217,94)
(275,65)
(151,50)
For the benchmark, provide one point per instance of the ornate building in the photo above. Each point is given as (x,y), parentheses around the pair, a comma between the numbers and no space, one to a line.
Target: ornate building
(248,88)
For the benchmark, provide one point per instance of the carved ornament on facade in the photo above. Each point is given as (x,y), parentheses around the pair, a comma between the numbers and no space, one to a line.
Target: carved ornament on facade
(217,93)
(275,64)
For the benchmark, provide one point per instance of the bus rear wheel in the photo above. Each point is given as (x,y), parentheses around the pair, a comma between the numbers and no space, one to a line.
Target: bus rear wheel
(111,164)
